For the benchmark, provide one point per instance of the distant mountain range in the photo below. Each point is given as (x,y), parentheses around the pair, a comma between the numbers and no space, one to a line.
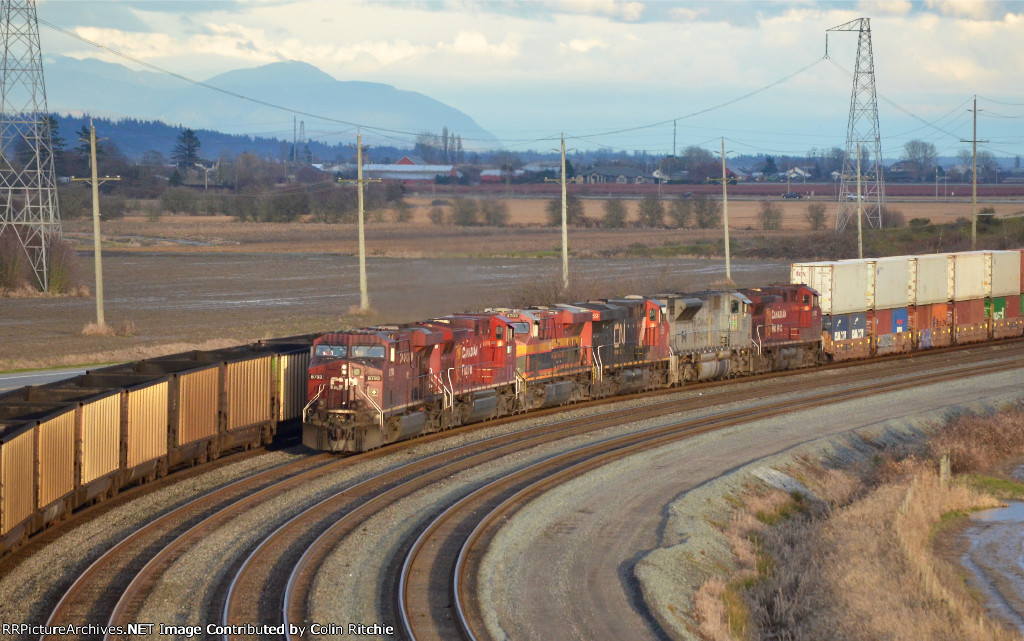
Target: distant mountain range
(114,91)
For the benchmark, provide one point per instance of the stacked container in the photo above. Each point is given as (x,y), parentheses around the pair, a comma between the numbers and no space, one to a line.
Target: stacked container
(843,288)
(931,317)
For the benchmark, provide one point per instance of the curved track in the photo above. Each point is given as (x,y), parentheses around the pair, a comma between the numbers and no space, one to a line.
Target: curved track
(436,596)
(271,583)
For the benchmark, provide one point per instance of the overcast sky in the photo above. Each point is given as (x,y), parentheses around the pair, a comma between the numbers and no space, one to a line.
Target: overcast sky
(528,70)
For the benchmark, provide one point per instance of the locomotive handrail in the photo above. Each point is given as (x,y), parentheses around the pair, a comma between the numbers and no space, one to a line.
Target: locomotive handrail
(380,412)
(757,332)
(305,410)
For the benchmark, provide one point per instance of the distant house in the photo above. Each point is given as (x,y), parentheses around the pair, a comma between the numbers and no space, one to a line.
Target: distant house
(500,175)
(617,175)
(408,171)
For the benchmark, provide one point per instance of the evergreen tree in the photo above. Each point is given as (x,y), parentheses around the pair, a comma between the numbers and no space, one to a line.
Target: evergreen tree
(186,150)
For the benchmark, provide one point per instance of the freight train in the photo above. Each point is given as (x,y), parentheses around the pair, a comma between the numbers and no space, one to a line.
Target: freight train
(375,386)
(69,444)
(80,441)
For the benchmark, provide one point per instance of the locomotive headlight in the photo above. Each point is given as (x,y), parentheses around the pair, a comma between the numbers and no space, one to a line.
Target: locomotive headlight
(373,392)
(344,368)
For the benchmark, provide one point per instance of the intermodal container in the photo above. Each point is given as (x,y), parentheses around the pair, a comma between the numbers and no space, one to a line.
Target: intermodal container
(17,490)
(969,312)
(56,457)
(928,276)
(880,321)
(1013,307)
(101,437)
(842,286)
(197,404)
(840,327)
(1003,272)
(900,320)
(249,385)
(147,425)
(891,282)
(995,308)
(858,325)
(967,276)
(292,381)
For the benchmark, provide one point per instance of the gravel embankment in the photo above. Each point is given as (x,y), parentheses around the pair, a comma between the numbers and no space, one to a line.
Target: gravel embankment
(616,553)
(32,588)
(692,548)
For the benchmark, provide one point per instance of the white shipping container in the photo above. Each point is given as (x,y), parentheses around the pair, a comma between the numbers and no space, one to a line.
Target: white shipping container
(891,279)
(842,286)
(1004,272)
(968,278)
(928,279)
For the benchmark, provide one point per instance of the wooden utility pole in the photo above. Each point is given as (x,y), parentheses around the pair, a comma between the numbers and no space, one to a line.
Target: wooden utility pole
(974,176)
(725,210)
(97,250)
(364,297)
(565,224)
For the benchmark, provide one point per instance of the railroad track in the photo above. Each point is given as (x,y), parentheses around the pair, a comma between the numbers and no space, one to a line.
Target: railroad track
(271,584)
(435,593)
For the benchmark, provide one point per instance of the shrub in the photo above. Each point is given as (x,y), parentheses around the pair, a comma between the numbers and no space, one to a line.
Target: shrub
(892,218)
(113,207)
(63,266)
(651,212)
(436,215)
(75,202)
(464,212)
(770,216)
(402,211)
(919,223)
(14,268)
(495,213)
(708,212)
(614,214)
(180,200)
(573,211)
(816,216)
(680,211)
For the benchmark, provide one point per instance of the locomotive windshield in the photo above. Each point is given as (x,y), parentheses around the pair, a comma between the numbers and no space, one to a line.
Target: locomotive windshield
(331,351)
(367,351)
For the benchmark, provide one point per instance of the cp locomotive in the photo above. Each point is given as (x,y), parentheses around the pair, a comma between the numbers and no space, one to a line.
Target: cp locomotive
(375,386)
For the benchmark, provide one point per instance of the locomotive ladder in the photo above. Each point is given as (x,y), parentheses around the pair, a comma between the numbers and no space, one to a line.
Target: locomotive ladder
(448,394)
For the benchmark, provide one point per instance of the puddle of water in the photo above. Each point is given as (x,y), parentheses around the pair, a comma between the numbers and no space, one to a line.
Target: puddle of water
(1013,512)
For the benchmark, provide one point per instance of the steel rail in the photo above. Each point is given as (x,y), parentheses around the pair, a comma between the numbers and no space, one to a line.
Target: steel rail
(575,462)
(155,528)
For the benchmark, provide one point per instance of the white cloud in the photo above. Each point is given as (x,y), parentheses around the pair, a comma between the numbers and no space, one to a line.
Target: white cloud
(680,13)
(474,43)
(583,45)
(889,7)
(627,10)
(976,9)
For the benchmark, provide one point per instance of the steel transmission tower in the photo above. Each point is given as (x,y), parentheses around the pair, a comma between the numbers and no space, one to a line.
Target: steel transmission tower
(862,131)
(28,184)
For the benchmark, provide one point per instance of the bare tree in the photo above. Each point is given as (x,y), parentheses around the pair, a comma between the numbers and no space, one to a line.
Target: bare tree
(614,214)
(680,211)
(708,212)
(920,156)
(651,212)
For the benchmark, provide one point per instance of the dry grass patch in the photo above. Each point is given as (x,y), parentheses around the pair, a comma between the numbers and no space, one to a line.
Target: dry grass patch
(857,561)
(124,328)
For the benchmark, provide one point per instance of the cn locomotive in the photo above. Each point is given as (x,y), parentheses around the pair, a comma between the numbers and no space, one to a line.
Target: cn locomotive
(374,386)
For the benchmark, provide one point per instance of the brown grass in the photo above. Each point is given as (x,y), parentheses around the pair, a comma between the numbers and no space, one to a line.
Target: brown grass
(860,564)
(124,328)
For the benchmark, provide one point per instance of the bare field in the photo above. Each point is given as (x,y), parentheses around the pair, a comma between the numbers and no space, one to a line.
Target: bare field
(179,301)
(526,235)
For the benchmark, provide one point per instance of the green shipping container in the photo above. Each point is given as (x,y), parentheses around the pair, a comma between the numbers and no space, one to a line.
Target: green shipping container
(995,308)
